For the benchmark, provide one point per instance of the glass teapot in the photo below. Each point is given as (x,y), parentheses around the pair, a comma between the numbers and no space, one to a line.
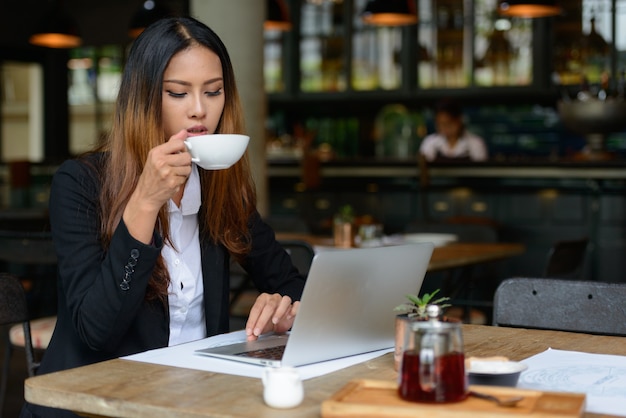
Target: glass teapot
(433,365)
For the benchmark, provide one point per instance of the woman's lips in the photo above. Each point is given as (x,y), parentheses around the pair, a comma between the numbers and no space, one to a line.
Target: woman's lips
(197,130)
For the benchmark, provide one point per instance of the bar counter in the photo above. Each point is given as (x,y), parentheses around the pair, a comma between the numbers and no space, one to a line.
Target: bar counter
(515,167)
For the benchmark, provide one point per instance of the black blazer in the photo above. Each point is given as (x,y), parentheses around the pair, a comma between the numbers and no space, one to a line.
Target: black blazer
(102,311)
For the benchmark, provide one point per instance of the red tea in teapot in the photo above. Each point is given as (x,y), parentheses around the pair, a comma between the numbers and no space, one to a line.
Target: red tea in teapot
(443,381)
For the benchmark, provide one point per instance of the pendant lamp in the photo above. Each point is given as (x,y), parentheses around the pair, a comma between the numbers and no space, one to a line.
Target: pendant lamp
(57,29)
(390,13)
(529,8)
(149,12)
(277,16)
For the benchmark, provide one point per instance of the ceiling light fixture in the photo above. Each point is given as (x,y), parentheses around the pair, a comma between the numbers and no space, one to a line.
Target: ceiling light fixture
(529,8)
(277,16)
(57,29)
(149,12)
(390,13)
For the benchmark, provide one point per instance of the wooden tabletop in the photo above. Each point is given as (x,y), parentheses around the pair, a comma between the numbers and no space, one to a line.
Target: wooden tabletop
(453,255)
(315,240)
(124,388)
(461,254)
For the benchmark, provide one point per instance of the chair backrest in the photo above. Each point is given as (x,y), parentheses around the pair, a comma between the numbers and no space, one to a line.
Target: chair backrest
(561,304)
(14,310)
(13,307)
(566,259)
(30,255)
(301,253)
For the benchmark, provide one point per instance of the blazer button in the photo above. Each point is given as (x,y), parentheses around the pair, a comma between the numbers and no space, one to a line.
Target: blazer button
(129,269)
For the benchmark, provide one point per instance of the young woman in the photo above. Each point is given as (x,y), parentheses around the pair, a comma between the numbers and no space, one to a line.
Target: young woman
(144,238)
(452,141)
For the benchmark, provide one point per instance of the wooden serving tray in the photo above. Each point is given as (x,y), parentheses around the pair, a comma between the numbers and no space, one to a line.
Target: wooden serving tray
(379,398)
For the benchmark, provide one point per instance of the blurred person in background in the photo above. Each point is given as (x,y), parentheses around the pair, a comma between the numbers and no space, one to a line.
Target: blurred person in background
(452,141)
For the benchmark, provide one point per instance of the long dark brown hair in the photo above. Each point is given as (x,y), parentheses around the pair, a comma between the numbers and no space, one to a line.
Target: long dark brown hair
(228,196)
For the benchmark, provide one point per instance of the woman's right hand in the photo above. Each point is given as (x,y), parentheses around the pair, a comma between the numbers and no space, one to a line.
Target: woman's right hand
(270,312)
(166,170)
(164,175)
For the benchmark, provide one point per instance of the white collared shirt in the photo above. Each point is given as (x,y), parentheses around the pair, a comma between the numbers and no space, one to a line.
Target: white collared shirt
(469,145)
(186,291)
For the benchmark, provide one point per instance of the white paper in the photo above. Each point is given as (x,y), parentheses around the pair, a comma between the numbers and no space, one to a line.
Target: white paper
(183,356)
(601,377)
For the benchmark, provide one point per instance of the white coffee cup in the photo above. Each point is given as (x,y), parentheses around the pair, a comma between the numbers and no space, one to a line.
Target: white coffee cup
(216,151)
(282,387)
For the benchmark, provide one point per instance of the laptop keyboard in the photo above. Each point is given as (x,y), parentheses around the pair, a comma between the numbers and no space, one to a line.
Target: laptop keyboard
(273,353)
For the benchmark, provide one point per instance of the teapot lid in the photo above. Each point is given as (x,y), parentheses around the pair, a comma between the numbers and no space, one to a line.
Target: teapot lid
(433,320)
(433,312)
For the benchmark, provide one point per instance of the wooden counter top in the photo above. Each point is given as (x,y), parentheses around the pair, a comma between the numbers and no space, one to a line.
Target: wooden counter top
(453,255)
(371,168)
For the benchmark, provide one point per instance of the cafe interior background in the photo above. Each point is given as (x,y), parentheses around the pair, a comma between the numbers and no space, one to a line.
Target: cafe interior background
(341,105)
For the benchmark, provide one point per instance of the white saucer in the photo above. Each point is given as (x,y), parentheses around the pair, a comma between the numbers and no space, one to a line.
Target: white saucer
(437,239)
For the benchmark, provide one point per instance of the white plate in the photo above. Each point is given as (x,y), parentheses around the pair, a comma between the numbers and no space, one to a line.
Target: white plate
(437,239)
(496,367)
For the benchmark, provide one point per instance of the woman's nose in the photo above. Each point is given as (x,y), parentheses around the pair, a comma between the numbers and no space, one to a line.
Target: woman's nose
(198,109)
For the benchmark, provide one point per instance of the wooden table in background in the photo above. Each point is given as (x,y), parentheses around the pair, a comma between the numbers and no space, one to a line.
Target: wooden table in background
(463,254)
(450,256)
(124,388)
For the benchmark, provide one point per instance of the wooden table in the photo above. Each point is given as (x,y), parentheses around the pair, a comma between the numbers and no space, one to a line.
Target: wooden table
(124,388)
(453,255)
(463,254)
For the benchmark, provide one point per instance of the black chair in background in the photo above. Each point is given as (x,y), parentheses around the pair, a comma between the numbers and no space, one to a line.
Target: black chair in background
(14,311)
(566,259)
(30,255)
(301,253)
(561,304)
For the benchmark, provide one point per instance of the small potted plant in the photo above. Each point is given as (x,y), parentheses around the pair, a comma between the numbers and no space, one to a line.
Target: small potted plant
(414,309)
(343,227)
(416,306)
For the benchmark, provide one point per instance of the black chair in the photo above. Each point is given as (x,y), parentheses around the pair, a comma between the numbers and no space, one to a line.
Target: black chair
(566,259)
(561,304)
(14,310)
(28,258)
(301,253)
(30,255)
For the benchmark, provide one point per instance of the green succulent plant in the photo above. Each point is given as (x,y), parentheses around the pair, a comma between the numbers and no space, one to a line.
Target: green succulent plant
(345,214)
(416,306)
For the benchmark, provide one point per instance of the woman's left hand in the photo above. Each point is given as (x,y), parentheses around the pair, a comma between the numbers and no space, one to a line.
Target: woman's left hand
(270,312)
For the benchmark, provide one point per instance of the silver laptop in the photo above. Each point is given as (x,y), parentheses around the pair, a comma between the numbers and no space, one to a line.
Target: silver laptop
(347,307)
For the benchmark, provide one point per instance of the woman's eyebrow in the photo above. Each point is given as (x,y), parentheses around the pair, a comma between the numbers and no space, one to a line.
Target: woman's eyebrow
(186,83)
